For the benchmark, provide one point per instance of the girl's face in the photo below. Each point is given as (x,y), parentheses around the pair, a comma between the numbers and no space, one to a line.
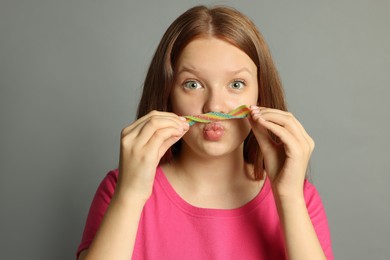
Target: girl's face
(214,75)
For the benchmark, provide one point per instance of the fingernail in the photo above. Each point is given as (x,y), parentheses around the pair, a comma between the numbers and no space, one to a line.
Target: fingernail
(258,116)
(255,112)
(182,118)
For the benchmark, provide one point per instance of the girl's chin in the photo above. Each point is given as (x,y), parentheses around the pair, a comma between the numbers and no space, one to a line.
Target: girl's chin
(212,148)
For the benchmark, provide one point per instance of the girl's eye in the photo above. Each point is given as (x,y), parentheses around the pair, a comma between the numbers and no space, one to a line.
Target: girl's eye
(237,84)
(192,84)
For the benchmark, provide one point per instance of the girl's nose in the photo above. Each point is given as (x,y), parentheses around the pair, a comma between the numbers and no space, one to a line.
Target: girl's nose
(214,103)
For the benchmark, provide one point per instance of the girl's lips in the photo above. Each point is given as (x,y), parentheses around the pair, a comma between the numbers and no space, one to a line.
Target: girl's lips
(213,131)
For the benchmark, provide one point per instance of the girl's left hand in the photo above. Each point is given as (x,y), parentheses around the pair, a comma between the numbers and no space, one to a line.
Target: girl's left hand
(285,163)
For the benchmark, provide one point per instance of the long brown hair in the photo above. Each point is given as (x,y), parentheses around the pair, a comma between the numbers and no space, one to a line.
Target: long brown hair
(224,23)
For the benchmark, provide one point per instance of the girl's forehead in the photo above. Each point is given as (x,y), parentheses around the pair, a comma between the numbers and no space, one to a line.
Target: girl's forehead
(203,53)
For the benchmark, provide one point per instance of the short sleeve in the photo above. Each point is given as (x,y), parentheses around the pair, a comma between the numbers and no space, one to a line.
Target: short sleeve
(98,208)
(318,218)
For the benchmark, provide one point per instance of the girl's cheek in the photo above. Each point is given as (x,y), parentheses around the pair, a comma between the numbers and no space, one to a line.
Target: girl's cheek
(182,112)
(186,109)
(183,106)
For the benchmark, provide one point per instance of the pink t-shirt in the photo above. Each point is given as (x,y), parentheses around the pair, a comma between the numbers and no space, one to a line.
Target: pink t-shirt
(170,228)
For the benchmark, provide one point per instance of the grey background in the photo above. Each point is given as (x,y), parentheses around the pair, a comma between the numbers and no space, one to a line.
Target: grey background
(70,78)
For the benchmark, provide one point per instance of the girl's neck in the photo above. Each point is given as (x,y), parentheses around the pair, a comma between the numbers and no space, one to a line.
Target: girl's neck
(219,182)
(202,168)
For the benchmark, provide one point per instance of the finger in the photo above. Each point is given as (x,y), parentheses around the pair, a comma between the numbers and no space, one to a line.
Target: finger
(144,130)
(290,122)
(290,142)
(286,114)
(155,124)
(261,133)
(153,114)
(286,120)
(137,125)
(278,111)
(270,152)
(163,139)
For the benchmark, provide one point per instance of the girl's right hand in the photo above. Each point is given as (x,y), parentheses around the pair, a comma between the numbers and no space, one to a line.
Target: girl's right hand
(142,145)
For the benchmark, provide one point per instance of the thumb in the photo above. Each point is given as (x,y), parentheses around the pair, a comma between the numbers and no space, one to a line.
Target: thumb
(167,143)
(268,148)
(261,133)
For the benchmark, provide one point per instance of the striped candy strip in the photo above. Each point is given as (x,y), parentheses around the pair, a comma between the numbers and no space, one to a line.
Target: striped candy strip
(239,112)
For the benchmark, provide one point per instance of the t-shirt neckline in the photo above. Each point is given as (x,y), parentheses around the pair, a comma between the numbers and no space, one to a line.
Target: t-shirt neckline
(189,209)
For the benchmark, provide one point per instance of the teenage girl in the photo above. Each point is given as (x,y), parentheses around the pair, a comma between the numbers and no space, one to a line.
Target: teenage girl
(230,189)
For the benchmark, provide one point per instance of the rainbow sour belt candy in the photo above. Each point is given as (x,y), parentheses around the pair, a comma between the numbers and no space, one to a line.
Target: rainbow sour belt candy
(239,112)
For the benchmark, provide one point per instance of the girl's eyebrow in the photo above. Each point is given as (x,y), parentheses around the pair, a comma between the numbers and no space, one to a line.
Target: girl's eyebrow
(188,69)
(194,71)
(243,69)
